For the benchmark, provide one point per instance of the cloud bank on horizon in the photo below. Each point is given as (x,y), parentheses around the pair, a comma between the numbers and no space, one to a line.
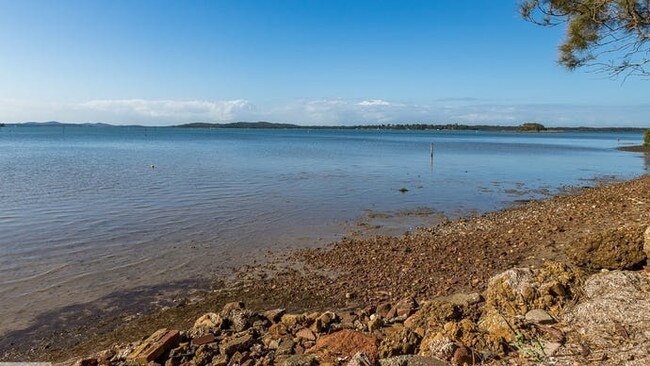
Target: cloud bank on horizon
(326,111)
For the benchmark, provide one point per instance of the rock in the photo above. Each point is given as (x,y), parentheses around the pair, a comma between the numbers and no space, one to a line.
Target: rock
(412,360)
(323,322)
(403,309)
(360,359)
(539,316)
(154,346)
(86,362)
(236,343)
(219,360)
(274,315)
(204,339)
(550,348)
(464,356)
(613,315)
(383,309)
(208,322)
(286,346)
(345,343)
(511,294)
(399,340)
(621,248)
(306,334)
(300,360)
(375,324)
(290,320)
(438,345)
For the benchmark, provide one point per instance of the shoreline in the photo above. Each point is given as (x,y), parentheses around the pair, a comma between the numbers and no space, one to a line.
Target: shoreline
(460,255)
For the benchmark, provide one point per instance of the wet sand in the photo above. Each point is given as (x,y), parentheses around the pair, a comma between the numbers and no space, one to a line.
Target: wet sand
(451,256)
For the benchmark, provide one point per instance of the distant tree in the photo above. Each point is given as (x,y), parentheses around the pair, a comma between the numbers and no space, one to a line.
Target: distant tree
(528,127)
(610,36)
(646,138)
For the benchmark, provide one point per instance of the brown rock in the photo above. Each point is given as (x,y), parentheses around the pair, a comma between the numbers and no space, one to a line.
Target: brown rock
(383,309)
(403,309)
(464,356)
(399,340)
(204,339)
(154,346)
(345,343)
(274,315)
(306,334)
(300,360)
(236,343)
(86,362)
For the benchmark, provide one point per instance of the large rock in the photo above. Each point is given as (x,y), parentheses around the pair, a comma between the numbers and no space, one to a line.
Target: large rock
(345,343)
(614,316)
(399,340)
(621,248)
(513,293)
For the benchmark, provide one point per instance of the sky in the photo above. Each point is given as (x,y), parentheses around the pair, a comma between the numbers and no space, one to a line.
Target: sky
(332,62)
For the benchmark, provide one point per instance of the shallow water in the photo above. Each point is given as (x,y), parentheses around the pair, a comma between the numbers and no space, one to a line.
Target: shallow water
(85,211)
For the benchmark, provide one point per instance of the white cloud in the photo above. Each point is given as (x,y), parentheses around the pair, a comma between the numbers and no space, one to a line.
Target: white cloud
(193,110)
(331,111)
(373,103)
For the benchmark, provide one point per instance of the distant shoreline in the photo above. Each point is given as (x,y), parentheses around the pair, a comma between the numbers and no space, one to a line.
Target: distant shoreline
(636,148)
(388,127)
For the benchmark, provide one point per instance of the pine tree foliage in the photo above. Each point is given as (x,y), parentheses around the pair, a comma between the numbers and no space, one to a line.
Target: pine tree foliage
(610,36)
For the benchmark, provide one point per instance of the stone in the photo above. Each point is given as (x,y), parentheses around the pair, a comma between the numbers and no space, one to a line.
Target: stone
(208,322)
(236,343)
(412,360)
(219,360)
(274,315)
(154,346)
(464,356)
(399,340)
(204,339)
(375,324)
(383,309)
(438,345)
(513,293)
(360,359)
(300,360)
(86,362)
(550,348)
(402,309)
(617,249)
(345,343)
(290,320)
(306,334)
(613,314)
(539,316)
(323,322)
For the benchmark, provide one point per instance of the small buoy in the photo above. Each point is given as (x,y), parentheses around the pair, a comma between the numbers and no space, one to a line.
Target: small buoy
(153,166)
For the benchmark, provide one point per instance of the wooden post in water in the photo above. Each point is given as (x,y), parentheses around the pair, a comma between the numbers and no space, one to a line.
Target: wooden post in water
(431,150)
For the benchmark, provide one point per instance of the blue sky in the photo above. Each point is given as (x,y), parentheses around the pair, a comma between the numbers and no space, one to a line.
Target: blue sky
(302,61)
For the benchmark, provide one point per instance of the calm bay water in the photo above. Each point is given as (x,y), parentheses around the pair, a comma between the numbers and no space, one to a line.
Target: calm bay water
(83,213)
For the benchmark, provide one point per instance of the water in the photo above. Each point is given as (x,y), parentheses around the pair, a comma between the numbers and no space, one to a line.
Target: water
(85,211)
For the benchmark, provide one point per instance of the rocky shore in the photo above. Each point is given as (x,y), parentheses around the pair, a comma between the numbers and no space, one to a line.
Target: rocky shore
(559,281)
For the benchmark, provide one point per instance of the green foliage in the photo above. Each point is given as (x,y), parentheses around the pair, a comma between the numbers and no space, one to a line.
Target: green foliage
(532,127)
(612,36)
(646,138)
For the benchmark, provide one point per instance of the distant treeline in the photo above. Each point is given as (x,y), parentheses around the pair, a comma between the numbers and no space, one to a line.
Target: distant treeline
(526,127)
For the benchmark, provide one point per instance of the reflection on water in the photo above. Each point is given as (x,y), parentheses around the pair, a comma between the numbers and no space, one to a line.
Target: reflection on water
(83,213)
